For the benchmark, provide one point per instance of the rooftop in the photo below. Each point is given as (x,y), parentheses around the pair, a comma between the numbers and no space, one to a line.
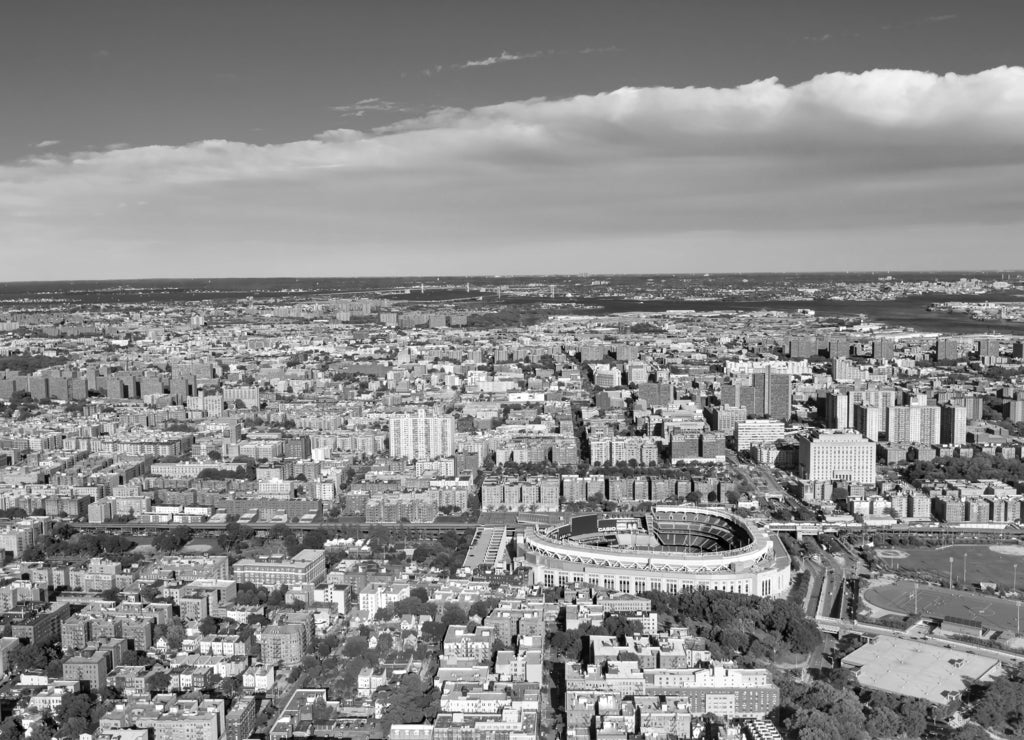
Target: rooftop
(918,669)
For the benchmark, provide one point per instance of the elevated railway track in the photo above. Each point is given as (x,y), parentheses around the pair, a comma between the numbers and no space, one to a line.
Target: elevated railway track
(798,528)
(143,528)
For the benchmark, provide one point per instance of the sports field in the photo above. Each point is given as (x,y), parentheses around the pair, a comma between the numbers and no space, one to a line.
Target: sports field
(933,601)
(985,563)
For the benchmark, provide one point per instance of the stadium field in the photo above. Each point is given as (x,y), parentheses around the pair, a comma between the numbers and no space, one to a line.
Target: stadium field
(933,601)
(985,563)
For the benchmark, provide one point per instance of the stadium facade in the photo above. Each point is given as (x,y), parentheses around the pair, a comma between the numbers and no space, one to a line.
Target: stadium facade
(671,549)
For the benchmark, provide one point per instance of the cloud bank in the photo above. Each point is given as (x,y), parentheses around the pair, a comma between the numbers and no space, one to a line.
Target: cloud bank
(881,170)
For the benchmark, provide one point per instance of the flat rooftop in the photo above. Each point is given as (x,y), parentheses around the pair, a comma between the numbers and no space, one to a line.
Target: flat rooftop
(912,668)
(487,547)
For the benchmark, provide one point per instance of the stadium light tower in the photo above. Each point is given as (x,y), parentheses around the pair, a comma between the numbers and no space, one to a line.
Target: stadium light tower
(1015,578)
(950,572)
(965,568)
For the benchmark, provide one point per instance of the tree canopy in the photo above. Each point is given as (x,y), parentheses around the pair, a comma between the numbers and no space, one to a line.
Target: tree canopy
(826,711)
(978,467)
(411,701)
(1001,706)
(739,623)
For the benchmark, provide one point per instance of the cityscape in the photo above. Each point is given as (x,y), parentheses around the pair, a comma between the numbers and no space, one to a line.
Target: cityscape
(455,371)
(294,514)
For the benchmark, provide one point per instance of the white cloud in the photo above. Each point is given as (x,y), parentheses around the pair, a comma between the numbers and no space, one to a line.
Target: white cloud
(600,50)
(46,144)
(506,56)
(921,22)
(372,105)
(501,58)
(886,169)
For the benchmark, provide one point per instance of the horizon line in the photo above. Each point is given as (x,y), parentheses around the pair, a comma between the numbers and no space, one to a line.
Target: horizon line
(489,276)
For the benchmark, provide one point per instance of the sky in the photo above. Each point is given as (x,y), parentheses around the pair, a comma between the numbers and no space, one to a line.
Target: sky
(311,137)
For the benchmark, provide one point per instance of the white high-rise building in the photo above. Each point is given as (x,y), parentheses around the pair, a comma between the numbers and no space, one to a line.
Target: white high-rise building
(846,371)
(249,395)
(913,424)
(840,402)
(754,432)
(421,436)
(837,455)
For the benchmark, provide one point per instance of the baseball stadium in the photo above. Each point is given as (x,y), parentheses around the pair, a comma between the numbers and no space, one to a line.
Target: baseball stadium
(672,549)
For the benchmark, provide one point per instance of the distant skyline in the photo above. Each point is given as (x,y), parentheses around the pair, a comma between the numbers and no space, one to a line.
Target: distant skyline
(492,278)
(145,139)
